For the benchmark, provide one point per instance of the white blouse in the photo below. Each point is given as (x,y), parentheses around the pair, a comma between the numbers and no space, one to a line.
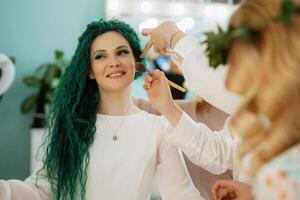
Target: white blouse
(123,169)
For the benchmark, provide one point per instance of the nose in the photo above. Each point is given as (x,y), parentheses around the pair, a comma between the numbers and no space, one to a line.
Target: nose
(114,62)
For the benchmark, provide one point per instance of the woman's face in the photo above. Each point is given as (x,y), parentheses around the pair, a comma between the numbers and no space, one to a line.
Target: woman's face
(112,62)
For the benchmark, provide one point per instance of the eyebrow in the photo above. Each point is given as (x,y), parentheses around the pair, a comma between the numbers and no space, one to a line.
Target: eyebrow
(122,46)
(102,50)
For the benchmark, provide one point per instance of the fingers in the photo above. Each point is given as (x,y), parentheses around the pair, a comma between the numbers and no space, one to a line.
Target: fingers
(156,49)
(145,87)
(148,82)
(160,44)
(147,31)
(147,48)
(218,189)
(160,50)
(224,189)
(158,40)
(157,74)
(223,194)
(154,78)
(214,191)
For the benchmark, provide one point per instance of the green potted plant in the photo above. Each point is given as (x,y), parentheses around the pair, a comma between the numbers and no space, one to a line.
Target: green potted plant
(44,79)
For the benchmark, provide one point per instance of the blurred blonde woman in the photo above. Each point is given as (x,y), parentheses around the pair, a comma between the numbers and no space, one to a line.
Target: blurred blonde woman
(264,68)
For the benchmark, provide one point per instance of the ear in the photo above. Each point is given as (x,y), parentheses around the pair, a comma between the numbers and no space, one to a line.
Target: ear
(91,75)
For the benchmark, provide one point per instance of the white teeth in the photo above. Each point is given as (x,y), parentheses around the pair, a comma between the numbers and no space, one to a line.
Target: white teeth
(116,74)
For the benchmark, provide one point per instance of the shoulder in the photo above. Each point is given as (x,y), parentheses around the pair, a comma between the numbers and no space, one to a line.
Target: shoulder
(149,116)
(281,176)
(158,123)
(151,121)
(289,160)
(154,118)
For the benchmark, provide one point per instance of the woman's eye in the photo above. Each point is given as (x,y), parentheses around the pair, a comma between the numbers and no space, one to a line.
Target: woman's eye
(99,56)
(123,52)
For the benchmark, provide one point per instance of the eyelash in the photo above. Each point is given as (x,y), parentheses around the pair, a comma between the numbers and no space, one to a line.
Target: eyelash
(122,52)
(119,53)
(97,57)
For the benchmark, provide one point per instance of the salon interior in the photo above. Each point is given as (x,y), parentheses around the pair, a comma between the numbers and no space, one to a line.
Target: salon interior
(39,36)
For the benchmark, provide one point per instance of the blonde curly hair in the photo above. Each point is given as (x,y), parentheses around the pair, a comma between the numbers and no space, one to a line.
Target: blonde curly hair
(265,70)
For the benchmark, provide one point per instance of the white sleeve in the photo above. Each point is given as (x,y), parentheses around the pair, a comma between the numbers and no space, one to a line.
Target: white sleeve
(30,189)
(211,150)
(207,82)
(172,177)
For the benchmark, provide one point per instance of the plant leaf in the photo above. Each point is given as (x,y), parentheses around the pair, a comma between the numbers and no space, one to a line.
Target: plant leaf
(51,73)
(41,67)
(48,96)
(217,44)
(59,54)
(31,81)
(28,104)
(287,8)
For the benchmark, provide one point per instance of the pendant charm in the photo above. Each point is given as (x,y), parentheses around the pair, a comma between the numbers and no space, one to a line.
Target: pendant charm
(115,138)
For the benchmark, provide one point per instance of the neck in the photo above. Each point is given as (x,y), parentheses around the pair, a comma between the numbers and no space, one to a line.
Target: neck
(117,103)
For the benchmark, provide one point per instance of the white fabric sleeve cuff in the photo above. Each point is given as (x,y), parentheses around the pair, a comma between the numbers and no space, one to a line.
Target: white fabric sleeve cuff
(186,45)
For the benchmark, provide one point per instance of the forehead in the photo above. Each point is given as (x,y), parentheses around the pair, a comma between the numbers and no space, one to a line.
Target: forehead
(109,40)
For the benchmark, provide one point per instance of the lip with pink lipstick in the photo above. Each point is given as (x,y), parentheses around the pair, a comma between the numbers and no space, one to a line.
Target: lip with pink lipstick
(116,74)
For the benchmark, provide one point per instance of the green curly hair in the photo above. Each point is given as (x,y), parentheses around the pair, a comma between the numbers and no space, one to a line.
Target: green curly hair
(72,114)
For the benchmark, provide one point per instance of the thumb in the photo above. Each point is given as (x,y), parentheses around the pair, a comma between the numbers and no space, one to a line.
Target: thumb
(146,49)
(157,74)
(147,31)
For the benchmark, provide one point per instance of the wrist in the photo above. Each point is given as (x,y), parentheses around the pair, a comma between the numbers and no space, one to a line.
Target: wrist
(173,113)
(167,108)
(176,37)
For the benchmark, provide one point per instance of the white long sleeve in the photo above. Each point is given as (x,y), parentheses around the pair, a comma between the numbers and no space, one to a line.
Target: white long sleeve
(16,190)
(211,150)
(171,174)
(30,189)
(207,82)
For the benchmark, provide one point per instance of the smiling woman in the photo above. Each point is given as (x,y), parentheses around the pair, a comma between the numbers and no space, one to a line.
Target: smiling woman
(99,144)
(112,62)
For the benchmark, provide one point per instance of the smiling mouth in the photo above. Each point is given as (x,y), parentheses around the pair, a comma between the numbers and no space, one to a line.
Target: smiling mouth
(116,75)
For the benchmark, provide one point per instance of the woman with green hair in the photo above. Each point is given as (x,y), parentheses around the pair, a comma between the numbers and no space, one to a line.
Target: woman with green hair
(100,145)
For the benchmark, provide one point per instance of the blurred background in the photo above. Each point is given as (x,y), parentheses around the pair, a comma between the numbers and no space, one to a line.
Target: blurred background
(40,37)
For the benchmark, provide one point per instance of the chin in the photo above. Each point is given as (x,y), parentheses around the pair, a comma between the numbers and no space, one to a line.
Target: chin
(118,86)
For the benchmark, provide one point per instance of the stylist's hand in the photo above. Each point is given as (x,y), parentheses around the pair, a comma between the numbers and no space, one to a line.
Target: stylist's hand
(158,90)
(231,190)
(162,37)
(159,93)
